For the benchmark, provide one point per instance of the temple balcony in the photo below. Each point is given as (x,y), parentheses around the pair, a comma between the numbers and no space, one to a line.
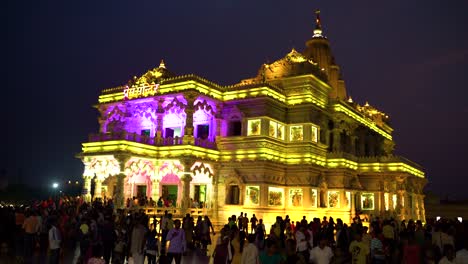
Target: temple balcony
(154,141)
(372,164)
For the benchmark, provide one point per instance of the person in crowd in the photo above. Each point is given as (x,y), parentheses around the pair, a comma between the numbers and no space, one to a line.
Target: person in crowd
(54,242)
(260,234)
(79,228)
(321,254)
(271,254)
(223,251)
(237,243)
(250,251)
(253,224)
(359,250)
(240,221)
(152,247)
(138,241)
(177,244)
(377,249)
(96,256)
(449,255)
(301,242)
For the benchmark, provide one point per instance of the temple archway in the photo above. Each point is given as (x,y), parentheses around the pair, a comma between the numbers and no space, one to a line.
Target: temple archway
(170,185)
(138,181)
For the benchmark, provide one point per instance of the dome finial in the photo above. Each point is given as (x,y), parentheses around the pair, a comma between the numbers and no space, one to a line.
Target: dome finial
(318,25)
(162,65)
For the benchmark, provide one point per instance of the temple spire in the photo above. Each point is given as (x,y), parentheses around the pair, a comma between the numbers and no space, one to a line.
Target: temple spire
(318,25)
(162,65)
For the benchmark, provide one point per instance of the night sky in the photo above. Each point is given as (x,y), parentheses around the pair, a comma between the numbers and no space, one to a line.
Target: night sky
(407,58)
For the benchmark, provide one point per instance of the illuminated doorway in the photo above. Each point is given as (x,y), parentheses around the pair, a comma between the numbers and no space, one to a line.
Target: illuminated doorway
(200,193)
(141,190)
(170,192)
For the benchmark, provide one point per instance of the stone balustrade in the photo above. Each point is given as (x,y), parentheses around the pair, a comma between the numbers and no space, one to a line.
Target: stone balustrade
(155,141)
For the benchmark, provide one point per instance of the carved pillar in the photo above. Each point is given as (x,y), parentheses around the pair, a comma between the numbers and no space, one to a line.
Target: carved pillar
(353,205)
(400,204)
(422,210)
(218,120)
(352,145)
(416,206)
(189,110)
(336,140)
(97,188)
(362,144)
(382,203)
(214,203)
(155,189)
(371,144)
(87,188)
(391,209)
(358,202)
(326,137)
(159,120)
(186,179)
(119,191)
(343,199)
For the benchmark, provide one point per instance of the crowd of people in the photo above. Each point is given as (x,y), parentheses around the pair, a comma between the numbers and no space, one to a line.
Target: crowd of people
(326,241)
(98,233)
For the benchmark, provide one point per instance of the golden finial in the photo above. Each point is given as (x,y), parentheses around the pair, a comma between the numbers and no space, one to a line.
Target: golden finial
(162,65)
(318,25)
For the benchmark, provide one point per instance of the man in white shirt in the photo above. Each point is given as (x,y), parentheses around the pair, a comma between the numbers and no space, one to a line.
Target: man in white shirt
(54,242)
(250,252)
(138,242)
(321,254)
(301,242)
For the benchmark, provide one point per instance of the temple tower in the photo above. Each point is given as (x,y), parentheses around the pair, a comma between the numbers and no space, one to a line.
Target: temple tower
(318,49)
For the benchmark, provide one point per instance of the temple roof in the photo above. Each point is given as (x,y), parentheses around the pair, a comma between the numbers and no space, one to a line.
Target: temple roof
(152,76)
(293,64)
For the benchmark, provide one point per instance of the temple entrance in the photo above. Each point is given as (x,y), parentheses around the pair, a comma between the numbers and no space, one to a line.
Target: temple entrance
(203,131)
(172,132)
(141,190)
(200,193)
(169,192)
(233,195)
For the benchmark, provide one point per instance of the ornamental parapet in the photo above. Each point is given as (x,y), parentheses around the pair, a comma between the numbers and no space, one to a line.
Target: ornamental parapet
(155,141)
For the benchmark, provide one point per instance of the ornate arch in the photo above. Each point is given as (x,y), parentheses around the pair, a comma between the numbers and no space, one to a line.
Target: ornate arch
(101,167)
(174,106)
(115,118)
(203,168)
(171,167)
(202,104)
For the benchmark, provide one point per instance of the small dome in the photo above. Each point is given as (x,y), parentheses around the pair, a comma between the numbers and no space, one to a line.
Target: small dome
(152,76)
(293,64)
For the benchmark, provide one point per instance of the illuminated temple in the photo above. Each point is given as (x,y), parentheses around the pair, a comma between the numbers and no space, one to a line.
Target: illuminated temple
(287,141)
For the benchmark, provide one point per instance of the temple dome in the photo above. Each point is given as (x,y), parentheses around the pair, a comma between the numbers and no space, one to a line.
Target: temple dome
(152,76)
(293,64)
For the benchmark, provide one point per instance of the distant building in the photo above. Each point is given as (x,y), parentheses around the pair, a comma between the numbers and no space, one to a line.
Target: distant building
(287,141)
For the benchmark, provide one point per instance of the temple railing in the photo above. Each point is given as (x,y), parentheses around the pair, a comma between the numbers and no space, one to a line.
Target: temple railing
(155,141)
(175,211)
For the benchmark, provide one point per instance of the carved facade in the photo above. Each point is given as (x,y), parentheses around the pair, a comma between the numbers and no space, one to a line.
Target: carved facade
(288,141)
